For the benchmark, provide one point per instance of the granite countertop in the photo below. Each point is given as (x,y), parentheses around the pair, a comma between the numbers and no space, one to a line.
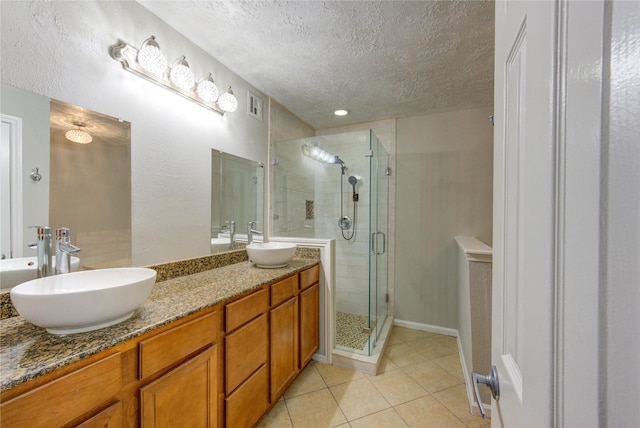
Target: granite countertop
(28,351)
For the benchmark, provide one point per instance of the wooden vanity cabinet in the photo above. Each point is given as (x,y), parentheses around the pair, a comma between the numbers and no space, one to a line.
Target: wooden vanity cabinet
(223,366)
(309,314)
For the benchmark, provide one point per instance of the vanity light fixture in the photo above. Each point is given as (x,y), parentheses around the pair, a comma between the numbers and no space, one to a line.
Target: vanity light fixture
(78,135)
(150,64)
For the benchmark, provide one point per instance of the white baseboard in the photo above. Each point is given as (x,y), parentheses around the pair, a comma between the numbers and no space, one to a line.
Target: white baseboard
(426,327)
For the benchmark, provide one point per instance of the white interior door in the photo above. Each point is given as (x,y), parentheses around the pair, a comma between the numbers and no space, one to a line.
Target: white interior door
(524,183)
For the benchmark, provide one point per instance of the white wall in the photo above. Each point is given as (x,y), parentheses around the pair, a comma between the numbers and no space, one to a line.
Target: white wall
(444,189)
(61,50)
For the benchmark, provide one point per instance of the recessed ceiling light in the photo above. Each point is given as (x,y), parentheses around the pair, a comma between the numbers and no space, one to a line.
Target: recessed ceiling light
(341,112)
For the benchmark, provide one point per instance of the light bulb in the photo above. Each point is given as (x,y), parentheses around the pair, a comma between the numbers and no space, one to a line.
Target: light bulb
(206,89)
(181,75)
(151,58)
(227,101)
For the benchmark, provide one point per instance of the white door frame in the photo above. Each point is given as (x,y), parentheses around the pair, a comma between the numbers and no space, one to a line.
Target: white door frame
(15,174)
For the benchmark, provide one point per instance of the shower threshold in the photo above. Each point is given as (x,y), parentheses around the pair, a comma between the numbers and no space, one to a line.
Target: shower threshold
(367,364)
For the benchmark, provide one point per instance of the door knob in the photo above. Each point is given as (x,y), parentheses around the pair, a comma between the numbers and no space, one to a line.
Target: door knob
(491,380)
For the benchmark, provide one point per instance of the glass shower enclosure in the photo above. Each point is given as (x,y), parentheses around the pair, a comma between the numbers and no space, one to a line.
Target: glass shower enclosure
(337,187)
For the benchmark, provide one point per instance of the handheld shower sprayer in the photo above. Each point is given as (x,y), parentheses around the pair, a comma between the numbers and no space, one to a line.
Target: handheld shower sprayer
(353,181)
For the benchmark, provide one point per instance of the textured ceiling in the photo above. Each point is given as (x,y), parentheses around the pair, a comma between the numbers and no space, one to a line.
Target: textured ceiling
(379,59)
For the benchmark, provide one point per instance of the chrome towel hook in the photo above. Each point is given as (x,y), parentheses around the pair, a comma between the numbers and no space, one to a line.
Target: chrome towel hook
(35,175)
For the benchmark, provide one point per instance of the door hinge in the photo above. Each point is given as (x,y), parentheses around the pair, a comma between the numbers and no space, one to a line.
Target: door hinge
(388,172)
(386,298)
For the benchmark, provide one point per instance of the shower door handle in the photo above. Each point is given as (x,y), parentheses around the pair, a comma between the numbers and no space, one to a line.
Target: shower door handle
(374,243)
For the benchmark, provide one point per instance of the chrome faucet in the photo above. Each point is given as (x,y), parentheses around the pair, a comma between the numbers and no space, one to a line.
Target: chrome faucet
(64,249)
(231,226)
(251,231)
(43,247)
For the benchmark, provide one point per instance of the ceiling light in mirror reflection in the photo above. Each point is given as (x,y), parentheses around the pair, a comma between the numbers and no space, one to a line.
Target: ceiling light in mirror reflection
(150,64)
(78,135)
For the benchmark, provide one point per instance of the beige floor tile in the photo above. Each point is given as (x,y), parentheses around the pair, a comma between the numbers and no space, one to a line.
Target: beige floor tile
(403,355)
(455,399)
(394,338)
(427,412)
(314,410)
(334,375)
(451,363)
(397,387)
(407,359)
(358,398)
(431,377)
(386,365)
(430,349)
(385,419)
(449,343)
(307,381)
(397,349)
(407,334)
(278,417)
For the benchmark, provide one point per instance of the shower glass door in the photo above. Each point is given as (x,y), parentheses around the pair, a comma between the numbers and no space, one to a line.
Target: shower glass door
(378,227)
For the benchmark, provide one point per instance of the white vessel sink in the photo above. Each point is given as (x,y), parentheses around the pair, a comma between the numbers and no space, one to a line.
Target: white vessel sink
(270,254)
(83,301)
(22,269)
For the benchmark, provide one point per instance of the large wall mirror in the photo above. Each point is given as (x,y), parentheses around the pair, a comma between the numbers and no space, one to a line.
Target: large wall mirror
(90,186)
(237,189)
(83,185)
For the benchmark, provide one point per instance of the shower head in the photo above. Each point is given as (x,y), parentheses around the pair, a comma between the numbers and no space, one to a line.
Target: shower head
(353,181)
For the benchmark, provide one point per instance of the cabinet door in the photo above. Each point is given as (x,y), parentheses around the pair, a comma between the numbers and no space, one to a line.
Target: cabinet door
(284,346)
(184,397)
(309,323)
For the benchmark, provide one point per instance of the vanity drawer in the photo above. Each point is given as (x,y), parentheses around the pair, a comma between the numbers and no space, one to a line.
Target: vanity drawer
(248,403)
(173,345)
(245,309)
(309,277)
(245,350)
(283,290)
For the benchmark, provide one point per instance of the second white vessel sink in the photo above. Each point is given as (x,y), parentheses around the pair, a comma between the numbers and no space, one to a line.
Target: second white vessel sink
(83,301)
(22,269)
(271,254)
